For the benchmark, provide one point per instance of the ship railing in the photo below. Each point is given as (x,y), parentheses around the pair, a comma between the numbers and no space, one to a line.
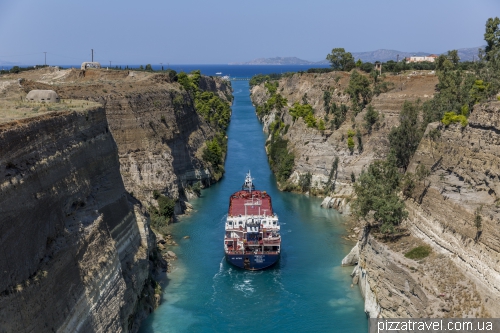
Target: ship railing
(251,252)
(272,241)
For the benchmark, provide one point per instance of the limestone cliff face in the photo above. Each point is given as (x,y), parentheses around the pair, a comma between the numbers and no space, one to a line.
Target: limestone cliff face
(74,244)
(464,179)
(461,277)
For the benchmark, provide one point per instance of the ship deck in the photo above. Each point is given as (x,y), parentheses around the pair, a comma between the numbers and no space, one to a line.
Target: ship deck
(250,203)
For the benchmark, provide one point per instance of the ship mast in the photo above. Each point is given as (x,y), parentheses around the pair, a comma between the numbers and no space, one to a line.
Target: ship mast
(248,181)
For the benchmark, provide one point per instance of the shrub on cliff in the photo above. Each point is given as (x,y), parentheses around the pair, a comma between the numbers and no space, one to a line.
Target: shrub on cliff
(350,140)
(376,192)
(272,87)
(305,181)
(370,118)
(213,109)
(214,151)
(404,139)
(359,90)
(280,159)
(304,111)
(161,216)
(208,104)
(274,102)
(418,252)
(339,115)
(452,117)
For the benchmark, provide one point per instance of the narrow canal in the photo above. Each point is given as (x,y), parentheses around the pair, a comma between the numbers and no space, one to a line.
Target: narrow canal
(307,291)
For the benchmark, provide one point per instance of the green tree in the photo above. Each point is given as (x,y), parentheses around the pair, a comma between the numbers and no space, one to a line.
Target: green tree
(492,35)
(359,90)
(321,125)
(305,181)
(280,159)
(404,139)
(376,191)
(453,57)
(370,118)
(332,178)
(327,97)
(360,141)
(213,153)
(340,59)
(148,67)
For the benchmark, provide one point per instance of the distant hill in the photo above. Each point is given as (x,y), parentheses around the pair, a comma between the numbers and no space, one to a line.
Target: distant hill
(465,54)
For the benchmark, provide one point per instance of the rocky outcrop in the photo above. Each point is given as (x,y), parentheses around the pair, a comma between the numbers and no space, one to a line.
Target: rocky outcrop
(74,243)
(340,200)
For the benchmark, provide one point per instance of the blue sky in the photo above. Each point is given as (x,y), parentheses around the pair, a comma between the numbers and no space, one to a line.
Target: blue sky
(222,31)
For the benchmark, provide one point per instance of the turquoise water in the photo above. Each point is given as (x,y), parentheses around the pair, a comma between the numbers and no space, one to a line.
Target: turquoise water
(307,291)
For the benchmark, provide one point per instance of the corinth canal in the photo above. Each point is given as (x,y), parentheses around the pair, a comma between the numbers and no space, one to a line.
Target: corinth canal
(307,291)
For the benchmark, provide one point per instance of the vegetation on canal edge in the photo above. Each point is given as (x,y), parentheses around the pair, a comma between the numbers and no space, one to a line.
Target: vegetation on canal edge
(419,252)
(217,112)
(162,215)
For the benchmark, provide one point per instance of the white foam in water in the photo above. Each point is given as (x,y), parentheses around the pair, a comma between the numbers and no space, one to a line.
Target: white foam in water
(246,288)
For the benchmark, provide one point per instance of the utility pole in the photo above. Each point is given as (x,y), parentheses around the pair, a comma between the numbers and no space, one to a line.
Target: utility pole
(110,64)
(397,58)
(92,54)
(45,58)
(161,66)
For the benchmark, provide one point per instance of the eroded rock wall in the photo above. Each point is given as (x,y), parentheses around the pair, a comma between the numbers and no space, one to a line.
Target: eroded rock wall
(461,276)
(464,180)
(74,244)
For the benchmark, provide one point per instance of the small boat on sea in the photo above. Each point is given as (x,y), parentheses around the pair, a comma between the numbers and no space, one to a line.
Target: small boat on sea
(218,73)
(252,240)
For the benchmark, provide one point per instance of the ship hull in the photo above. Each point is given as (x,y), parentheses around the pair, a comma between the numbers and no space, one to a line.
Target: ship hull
(252,262)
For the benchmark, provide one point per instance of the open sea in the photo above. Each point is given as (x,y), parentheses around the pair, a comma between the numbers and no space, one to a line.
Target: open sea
(307,291)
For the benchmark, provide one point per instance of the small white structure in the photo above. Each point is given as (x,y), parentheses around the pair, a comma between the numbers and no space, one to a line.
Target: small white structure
(429,58)
(86,65)
(47,96)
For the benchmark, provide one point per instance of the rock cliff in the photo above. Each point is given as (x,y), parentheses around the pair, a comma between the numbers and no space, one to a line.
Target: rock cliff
(461,276)
(75,245)
(77,251)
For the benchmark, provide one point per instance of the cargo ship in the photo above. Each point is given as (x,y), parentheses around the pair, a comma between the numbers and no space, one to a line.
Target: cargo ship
(252,240)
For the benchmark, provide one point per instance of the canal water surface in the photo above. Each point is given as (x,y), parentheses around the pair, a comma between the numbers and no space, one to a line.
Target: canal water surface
(307,291)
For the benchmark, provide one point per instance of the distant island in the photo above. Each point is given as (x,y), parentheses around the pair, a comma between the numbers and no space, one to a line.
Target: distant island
(465,54)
